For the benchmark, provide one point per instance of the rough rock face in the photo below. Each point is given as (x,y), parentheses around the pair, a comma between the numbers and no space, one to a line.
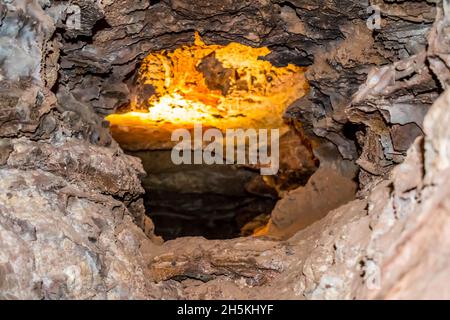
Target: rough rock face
(65,241)
(72,221)
(391,245)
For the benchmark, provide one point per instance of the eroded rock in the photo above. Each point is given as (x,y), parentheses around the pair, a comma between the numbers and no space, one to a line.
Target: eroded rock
(72,222)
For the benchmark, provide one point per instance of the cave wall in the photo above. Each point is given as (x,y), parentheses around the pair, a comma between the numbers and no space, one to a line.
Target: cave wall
(99,61)
(70,202)
(72,223)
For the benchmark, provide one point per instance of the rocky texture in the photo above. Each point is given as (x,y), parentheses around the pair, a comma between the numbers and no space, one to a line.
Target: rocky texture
(99,60)
(340,67)
(205,261)
(326,190)
(72,224)
(331,37)
(393,244)
(62,241)
(217,201)
(390,244)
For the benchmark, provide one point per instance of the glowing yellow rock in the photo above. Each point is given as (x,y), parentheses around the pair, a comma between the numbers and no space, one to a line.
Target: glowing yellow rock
(219,86)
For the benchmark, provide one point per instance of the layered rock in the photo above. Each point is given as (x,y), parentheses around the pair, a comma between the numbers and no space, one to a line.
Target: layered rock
(390,244)
(72,222)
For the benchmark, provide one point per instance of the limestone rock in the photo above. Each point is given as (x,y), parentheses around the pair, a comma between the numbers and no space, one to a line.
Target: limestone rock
(72,220)
(60,241)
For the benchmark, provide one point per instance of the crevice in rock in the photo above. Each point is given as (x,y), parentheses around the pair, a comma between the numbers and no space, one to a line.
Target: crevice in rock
(154,2)
(362,186)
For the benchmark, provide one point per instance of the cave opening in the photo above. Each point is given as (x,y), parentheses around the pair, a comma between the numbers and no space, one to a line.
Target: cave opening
(223,88)
(358,209)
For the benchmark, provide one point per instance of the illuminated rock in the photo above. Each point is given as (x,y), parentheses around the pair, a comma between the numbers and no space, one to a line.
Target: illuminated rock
(218,86)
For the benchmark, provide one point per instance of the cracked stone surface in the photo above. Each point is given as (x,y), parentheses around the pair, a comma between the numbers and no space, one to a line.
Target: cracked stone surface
(72,220)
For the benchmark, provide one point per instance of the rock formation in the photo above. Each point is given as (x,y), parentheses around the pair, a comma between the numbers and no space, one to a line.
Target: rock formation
(72,219)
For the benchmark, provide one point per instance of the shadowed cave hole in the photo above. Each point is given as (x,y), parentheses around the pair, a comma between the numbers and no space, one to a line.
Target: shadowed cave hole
(229,86)
(201,200)
(153,2)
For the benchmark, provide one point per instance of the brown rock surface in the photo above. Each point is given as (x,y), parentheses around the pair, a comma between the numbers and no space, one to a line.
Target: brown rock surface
(394,244)
(326,190)
(72,222)
(71,218)
(61,241)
